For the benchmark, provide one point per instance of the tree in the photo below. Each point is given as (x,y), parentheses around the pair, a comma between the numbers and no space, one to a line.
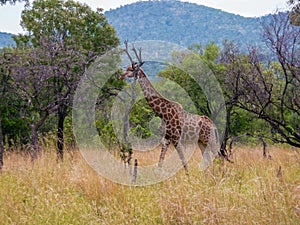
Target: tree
(4,77)
(12,127)
(270,90)
(3,80)
(176,72)
(78,34)
(284,39)
(32,81)
(295,12)
(230,90)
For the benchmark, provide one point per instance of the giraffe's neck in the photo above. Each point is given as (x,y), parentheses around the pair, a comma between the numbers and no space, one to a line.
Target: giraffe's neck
(149,91)
(153,97)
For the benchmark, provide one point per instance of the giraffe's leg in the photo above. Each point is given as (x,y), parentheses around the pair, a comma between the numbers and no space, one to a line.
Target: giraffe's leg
(179,149)
(209,153)
(201,147)
(166,144)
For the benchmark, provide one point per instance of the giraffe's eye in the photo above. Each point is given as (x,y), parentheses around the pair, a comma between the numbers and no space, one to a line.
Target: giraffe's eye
(131,69)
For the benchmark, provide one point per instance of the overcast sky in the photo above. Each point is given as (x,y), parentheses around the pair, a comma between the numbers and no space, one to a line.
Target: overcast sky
(10,15)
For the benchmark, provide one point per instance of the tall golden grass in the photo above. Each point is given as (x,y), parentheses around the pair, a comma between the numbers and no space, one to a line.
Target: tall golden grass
(253,190)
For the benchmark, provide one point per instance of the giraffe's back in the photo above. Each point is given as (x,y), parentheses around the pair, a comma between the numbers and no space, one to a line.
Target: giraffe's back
(206,128)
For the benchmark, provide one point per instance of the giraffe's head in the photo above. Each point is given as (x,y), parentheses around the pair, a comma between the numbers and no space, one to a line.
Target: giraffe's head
(129,72)
(134,70)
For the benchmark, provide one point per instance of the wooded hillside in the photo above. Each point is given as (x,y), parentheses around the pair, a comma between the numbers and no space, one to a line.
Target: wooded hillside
(178,22)
(5,39)
(183,23)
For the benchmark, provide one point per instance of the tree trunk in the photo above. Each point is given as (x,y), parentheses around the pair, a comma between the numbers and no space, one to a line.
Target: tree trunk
(61,115)
(223,149)
(1,142)
(35,142)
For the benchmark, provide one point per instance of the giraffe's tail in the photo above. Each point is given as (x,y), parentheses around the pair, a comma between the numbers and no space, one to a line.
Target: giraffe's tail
(221,152)
(212,149)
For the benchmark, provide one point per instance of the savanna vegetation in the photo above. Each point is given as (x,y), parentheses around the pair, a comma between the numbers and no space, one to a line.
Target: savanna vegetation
(45,180)
(250,191)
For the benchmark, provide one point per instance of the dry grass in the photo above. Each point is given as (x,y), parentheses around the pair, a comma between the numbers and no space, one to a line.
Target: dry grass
(250,191)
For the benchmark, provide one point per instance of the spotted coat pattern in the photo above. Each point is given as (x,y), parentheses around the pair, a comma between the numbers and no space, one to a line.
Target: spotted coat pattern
(179,125)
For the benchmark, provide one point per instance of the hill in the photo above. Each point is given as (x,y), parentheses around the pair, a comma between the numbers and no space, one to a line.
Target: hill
(178,22)
(183,23)
(5,39)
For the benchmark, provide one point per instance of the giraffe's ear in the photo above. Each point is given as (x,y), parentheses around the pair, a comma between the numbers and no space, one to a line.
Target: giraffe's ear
(141,63)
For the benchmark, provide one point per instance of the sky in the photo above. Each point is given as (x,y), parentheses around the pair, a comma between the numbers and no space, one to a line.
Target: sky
(10,15)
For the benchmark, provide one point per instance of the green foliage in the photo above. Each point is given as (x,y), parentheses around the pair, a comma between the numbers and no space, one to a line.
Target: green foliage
(107,134)
(104,105)
(67,21)
(140,116)
(202,59)
(191,87)
(13,126)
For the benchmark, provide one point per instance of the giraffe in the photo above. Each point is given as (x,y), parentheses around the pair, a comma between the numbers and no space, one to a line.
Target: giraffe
(179,125)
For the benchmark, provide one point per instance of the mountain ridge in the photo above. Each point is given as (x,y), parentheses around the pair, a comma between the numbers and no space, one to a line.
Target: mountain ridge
(183,23)
(6,39)
(178,22)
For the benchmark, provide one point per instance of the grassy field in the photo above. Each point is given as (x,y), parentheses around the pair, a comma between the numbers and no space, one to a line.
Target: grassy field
(250,191)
